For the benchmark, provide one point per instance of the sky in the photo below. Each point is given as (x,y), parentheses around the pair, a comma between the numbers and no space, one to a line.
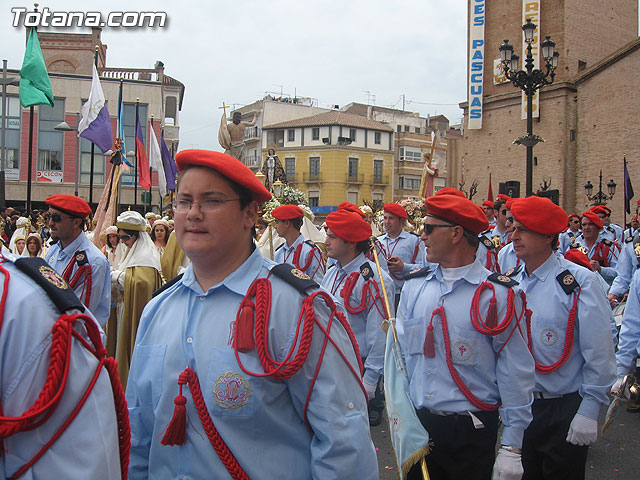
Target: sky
(367,51)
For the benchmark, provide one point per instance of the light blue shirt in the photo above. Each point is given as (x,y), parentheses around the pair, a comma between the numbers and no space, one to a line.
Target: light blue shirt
(630,330)
(25,347)
(566,239)
(508,377)
(259,418)
(590,368)
(507,258)
(286,253)
(100,301)
(482,253)
(608,273)
(625,269)
(366,325)
(404,246)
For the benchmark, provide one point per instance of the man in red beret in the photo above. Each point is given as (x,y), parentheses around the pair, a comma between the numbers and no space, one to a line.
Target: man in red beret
(610,231)
(452,321)
(354,280)
(75,257)
(487,206)
(500,233)
(305,255)
(602,253)
(571,335)
(568,237)
(253,335)
(402,250)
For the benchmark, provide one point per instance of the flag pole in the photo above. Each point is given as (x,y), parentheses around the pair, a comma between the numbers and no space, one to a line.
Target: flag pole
(626,200)
(387,323)
(93,147)
(30,162)
(150,172)
(135,174)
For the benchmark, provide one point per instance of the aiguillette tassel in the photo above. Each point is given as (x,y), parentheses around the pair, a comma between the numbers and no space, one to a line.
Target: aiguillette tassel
(244,328)
(429,343)
(492,314)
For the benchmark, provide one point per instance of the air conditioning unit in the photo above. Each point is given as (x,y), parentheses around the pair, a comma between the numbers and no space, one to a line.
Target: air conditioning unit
(326,140)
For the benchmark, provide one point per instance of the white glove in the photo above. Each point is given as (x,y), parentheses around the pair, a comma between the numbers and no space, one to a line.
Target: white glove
(508,466)
(615,390)
(370,389)
(583,430)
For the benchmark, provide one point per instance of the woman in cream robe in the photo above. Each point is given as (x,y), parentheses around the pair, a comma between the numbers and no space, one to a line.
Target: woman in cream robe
(132,285)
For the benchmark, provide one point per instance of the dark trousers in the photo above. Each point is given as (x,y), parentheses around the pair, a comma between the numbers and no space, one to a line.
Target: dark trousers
(459,450)
(376,404)
(546,454)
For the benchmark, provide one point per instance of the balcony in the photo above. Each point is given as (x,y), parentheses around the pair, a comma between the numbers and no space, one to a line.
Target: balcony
(312,177)
(252,159)
(252,133)
(355,178)
(380,180)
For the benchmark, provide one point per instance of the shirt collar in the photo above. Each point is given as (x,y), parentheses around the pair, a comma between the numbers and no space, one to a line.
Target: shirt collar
(74,246)
(354,265)
(238,281)
(476,275)
(297,241)
(547,268)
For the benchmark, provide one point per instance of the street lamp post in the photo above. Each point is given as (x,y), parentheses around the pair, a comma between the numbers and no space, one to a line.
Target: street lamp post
(529,81)
(600,198)
(64,127)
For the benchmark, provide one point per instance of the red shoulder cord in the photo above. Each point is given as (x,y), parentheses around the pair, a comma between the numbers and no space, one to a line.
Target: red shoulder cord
(85,270)
(56,381)
(415,251)
(261,290)
(347,289)
(492,261)
(310,257)
(489,328)
(568,337)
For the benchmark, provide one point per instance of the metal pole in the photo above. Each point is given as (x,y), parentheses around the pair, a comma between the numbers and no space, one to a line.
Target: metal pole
(150,173)
(93,147)
(599,201)
(135,176)
(529,147)
(3,156)
(30,163)
(78,140)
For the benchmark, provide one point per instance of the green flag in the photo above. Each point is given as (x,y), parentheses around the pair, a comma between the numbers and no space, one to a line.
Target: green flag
(35,86)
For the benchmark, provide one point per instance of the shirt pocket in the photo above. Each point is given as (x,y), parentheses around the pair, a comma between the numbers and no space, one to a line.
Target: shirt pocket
(229,390)
(465,344)
(414,336)
(146,373)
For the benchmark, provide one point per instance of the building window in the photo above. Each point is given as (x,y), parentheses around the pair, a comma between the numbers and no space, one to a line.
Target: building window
(291,135)
(314,199)
(50,141)
(352,134)
(399,128)
(406,128)
(410,154)
(129,126)
(417,129)
(377,170)
(572,135)
(409,183)
(352,197)
(353,169)
(12,136)
(290,168)
(314,167)
(377,136)
(85,163)
(315,133)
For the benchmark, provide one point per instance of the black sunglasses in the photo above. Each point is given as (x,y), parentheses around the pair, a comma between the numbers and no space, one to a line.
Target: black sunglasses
(428,228)
(55,218)
(125,238)
(504,212)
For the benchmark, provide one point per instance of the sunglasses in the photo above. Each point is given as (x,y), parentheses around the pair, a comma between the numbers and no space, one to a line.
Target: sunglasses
(125,238)
(429,228)
(503,212)
(509,219)
(55,218)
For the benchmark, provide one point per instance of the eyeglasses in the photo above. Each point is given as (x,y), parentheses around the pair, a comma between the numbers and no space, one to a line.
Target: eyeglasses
(504,212)
(428,227)
(575,220)
(55,218)
(509,219)
(206,206)
(125,238)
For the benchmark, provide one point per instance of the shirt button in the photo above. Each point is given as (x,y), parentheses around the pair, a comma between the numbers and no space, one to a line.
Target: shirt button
(189,340)
(202,299)
(430,372)
(350,405)
(429,396)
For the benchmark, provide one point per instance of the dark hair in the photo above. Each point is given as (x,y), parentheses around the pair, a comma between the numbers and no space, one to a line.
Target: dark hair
(109,243)
(153,232)
(472,238)
(497,205)
(554,241)
(297,223)
(363,246)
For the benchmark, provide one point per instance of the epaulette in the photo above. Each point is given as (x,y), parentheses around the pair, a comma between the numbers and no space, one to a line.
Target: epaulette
(502,280)
(381,235)
(311,243)
(294,277)
(607,242)
(414,233)
(610,228)
(81,258)
(512,272)
(365,271)
(332,265)
(421,272)
(279,247)
(488,230)
(628,240)
(62,296)
(486,242)
(167,285)
(567,281)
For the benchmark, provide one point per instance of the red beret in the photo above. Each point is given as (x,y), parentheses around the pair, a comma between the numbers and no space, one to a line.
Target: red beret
(508,203)
(396,209)
(350,207)
(227,166)
(69,204)
(539,215)
(606,211)
(287,212)
(451,191)
(638,203)
(348,226)
(576,256)
(593,218)
(487,203)
(574,215)
(502,197)
(458,210)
